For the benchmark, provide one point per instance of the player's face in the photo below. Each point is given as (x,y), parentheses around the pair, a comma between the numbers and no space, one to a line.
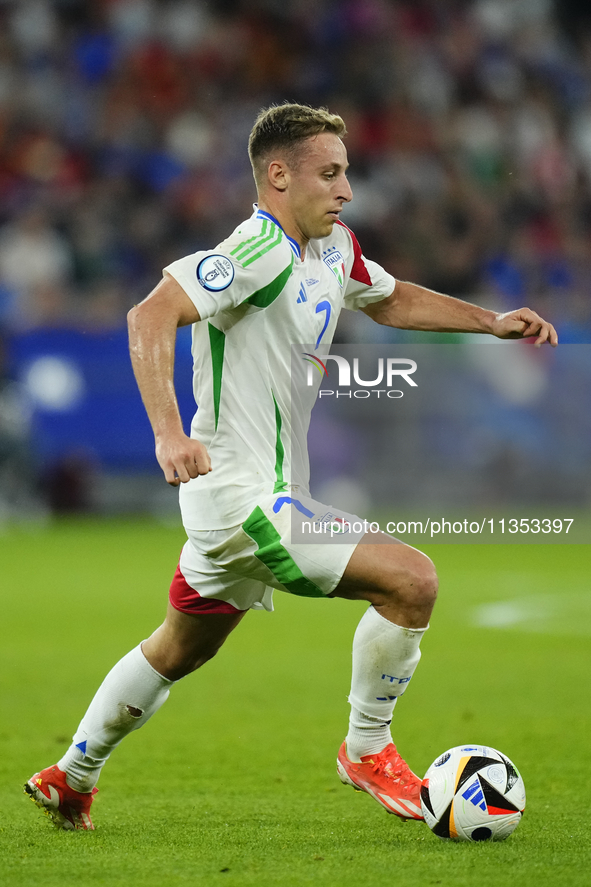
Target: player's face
(318,186)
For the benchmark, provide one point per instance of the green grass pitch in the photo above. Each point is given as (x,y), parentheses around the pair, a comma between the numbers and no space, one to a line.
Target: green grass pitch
(233,782)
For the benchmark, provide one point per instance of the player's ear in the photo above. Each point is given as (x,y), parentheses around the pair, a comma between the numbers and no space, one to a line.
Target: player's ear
(278,175)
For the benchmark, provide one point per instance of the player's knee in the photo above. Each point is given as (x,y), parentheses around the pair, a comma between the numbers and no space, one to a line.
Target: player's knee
(179,660)
(427,584)
(190,660)
(421,583)
(205,653)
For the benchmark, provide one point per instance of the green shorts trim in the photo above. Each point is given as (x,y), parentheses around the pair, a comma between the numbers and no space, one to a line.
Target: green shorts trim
(275,557)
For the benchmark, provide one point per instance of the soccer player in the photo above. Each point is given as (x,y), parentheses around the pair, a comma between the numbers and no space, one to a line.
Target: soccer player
(280,279)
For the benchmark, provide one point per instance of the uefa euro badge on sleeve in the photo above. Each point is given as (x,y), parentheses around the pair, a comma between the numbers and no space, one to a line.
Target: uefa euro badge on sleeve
(215,273)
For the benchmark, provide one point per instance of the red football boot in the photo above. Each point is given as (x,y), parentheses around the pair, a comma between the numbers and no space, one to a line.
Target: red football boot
(387,778)
(67,808)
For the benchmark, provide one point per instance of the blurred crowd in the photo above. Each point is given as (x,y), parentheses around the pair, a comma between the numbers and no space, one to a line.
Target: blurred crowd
(123,130)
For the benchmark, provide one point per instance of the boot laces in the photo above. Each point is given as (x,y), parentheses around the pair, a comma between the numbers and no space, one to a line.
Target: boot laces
(395,768)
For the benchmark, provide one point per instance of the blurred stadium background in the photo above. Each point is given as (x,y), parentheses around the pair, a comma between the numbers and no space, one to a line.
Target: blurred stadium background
(123,129)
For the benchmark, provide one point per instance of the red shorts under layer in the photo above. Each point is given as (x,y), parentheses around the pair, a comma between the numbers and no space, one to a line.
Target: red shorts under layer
(187,600)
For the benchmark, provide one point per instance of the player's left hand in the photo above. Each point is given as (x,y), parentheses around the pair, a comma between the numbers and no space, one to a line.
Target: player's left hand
(522,324)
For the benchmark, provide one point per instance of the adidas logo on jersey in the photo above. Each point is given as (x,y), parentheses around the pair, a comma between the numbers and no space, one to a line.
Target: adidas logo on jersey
(302,297)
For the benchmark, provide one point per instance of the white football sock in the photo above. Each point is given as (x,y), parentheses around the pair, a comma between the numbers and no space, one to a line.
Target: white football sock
(385,656)
(127,698)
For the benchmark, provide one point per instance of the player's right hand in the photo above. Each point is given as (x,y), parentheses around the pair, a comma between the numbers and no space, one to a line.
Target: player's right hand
(524,324)
(182,458)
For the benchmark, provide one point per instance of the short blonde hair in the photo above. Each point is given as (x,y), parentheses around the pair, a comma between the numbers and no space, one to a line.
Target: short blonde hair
(283,128)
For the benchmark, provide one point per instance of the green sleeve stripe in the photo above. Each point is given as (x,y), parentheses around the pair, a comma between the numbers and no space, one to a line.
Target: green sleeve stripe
(266,249)
(274,556)
(256,245)
(257,242)
(257,237)
(217,341)
(280,485)
(265,296)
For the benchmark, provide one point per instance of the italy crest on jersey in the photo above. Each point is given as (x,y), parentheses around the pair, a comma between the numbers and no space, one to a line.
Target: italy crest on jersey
(333,259)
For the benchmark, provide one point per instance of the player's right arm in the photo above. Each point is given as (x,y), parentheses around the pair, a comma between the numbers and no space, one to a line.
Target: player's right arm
(413,307)
(152,335)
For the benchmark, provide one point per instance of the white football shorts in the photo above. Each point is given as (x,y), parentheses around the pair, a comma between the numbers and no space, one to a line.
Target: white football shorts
(223,571)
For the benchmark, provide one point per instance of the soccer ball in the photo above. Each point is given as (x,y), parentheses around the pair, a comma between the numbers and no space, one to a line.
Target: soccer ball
(472,793)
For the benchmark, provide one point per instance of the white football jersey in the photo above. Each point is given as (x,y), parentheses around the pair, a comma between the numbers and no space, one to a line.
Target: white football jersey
(257,298)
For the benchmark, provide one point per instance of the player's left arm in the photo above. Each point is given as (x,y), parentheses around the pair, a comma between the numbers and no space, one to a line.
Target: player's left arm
(412,307)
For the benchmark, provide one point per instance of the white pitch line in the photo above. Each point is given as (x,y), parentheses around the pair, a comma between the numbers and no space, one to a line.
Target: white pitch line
(543,613)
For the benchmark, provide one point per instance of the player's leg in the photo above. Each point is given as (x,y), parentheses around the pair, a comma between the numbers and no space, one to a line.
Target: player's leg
(131,693)
(138,685)
(401,585)
(398,580)
(184,642)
